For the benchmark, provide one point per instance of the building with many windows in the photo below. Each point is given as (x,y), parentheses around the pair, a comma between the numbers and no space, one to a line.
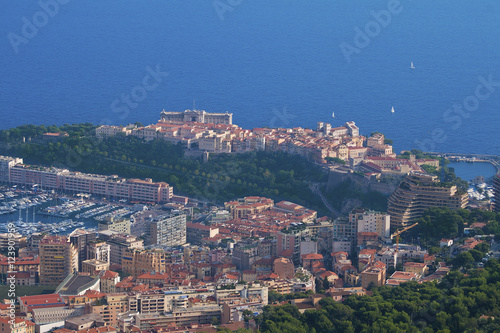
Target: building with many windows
(119,243)
(120,225)
(58,259)
(137,262)
(14,171)
(370,221)
(418,192)
(99,250)
(179,317)
(195,232)
(166,230)
(81,239)
(245,253)
(6,163)
(198,116)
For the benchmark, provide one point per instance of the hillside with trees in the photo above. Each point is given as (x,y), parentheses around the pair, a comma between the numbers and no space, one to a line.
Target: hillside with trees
(460,303)
(224,177)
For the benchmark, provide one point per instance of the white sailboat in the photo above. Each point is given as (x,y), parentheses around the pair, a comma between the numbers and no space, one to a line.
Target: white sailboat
(392,110)
(411,65)
(333,114)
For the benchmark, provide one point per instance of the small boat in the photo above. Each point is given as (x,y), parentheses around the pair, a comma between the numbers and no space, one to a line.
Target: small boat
(333,114)
(411,65)
(392,110)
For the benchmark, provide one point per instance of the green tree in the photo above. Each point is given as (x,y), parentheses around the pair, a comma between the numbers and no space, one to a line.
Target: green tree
(464,259)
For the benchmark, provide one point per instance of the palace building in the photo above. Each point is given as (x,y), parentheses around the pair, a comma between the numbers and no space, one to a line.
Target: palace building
(198,116)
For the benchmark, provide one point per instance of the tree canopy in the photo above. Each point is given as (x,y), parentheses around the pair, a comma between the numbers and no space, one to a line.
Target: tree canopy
(453,305)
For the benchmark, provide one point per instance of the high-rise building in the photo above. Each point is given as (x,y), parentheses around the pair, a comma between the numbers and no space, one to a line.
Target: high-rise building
(99,250)
(119,243)
(496,193)
(58,259)
(370,221)
(81,238)
(418,192)
(6,163)
(288,243)
(166,230)
(284,268)
(137,262)
(245,253)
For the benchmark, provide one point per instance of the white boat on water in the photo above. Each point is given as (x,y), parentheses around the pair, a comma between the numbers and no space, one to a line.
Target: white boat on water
(392,110)
(333,114)
(411,65)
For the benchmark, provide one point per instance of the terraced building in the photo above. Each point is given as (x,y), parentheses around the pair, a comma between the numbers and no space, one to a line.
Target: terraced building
(418,192)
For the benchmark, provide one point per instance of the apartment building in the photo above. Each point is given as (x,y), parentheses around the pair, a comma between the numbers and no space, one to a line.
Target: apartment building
(248,205)
(284,268)
(15,325)
(288,243)
(114,305)
(121,225)
(119,243)
(106,131)
(25,264)
(109,279)
(81,239)
(6,163)
(387,256)
(179,317)
(137,262)
(420,269)
(99,250)
(58,259)
(245,253)
(6,238)
(373,274)
(148,302)
(418,192)
(166,230)
(344,228)
(94,266)
(195,232)
(280,286)
(370,221)
(215,143)
(77,182)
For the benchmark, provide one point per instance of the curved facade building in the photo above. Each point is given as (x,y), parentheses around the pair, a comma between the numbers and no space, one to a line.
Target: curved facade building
(418,192)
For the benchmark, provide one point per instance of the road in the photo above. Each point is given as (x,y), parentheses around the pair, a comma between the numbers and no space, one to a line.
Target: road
(315,189)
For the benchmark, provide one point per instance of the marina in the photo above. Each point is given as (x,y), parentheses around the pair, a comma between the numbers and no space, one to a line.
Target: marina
(31,212)
(480,192)
(28,228)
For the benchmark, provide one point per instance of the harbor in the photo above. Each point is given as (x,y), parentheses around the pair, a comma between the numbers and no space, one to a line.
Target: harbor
(33,211)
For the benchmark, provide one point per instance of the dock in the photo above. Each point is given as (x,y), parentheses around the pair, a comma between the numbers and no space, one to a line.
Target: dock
(470,158)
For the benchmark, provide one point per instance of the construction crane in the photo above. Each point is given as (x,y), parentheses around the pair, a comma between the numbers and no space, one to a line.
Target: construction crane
(399,232)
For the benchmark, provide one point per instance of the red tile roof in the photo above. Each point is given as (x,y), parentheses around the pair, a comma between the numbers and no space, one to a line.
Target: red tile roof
(312,256)
(109,275)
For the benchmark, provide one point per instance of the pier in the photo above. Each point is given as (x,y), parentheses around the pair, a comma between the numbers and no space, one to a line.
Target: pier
(471,158)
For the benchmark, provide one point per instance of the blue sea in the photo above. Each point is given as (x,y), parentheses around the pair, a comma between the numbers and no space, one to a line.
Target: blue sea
(270,62)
